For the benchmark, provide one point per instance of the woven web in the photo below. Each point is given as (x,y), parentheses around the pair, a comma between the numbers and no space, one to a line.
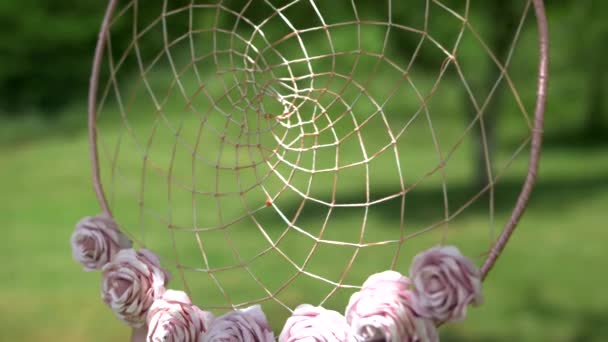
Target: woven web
(279,152)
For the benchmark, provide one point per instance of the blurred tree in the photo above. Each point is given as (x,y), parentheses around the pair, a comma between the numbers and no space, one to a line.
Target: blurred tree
(501,18)
(504,17)
(591,55)
(47,49)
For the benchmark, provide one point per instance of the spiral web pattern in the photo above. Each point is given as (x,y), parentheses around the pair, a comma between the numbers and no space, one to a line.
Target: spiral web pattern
(277,151)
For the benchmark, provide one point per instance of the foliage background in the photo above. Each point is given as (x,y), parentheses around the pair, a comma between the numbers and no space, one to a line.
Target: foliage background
(548,285)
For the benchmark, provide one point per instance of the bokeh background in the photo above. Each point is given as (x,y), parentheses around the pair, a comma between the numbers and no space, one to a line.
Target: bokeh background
(547,286)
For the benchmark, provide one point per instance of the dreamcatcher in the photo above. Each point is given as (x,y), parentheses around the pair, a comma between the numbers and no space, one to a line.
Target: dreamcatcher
(305,159)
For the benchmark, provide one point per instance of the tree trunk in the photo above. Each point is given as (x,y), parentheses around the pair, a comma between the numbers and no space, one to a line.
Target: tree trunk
(505,22)
(594,122)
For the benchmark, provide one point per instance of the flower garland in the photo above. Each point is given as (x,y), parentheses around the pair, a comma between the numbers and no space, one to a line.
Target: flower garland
(389,307)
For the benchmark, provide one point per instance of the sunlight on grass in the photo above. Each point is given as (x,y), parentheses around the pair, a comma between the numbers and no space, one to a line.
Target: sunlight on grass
(46,189)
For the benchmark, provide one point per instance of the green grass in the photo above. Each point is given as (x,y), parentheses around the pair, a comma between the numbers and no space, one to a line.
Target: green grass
(545,286)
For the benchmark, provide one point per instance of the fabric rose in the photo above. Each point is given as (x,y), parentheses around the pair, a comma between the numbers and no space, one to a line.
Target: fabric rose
(248,325)
(131,282)
(173,318)
(445,282)
(385,309)
(96,240)
(315,324)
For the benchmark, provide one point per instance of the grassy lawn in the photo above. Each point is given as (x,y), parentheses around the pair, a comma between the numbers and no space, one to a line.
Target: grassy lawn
(544,288)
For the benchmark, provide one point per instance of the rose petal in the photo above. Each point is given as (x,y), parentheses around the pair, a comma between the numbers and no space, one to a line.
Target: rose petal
(446,282)
(385,309)
(249,325)
(96,240)
(310,323)
(130,284)
(174,318)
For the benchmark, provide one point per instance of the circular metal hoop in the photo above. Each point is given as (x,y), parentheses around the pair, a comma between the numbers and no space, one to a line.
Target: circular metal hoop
(536,136)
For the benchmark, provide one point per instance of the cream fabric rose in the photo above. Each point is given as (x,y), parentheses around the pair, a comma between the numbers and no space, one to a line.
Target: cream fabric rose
(316,324)
(96,240)
(445,282)
(385,309)
(173,318)
(131,282)
(247,325)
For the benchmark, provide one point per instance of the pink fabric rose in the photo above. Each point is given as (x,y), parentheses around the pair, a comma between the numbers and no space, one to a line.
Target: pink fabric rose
(385,309)
(96,240)
(315,324)
(445,282)
(173,318)
(131,282)
(247,325)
